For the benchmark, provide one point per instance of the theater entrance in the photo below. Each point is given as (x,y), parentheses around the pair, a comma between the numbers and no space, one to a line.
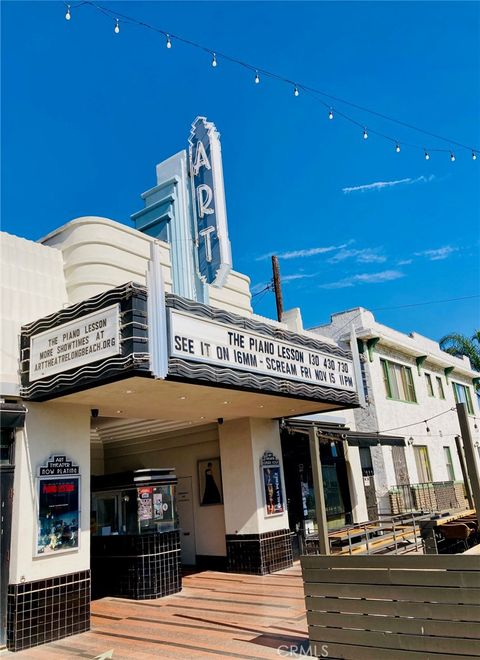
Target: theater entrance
(299,483)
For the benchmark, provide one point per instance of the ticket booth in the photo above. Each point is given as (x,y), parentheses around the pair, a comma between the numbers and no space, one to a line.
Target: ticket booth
(135,546)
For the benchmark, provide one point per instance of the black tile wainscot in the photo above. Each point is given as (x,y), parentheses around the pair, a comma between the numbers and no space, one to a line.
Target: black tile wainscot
(46,610)
(137,566)
(259,554)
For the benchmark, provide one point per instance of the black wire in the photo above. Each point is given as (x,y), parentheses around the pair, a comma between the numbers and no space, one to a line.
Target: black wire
(428,302)
(422,421)
(382,309)
(264,290)
(270,74)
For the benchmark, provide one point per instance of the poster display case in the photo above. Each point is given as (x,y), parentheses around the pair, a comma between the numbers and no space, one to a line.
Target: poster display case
(58,506)
(135,540)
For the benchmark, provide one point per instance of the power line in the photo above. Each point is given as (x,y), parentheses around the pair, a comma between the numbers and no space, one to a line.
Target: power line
(318,94)
(420,304)
(428,302)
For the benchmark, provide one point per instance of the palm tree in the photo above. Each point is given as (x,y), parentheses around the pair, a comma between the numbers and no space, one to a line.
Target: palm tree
(457,344)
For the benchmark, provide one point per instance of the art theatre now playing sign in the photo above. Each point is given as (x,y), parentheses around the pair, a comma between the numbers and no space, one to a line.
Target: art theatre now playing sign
(223,345)
(76,343)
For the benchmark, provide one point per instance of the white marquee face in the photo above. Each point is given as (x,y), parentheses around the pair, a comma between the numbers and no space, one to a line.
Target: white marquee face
(219,344)
(87,339)
(213,247)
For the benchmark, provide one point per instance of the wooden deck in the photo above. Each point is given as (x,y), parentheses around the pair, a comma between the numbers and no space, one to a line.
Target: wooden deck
(216,615)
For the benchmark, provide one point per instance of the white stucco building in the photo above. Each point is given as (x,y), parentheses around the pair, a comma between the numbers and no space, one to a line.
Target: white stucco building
(141,401)
(407,379)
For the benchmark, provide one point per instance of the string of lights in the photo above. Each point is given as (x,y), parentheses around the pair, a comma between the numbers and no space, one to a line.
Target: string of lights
(329,101)
(422,421)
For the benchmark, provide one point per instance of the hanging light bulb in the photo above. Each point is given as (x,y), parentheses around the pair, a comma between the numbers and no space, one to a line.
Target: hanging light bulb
(169,43)
(428,429)
(397,148)
(295,91)
(330,114)
(257,78)
(475,426)
(116,29)
(427,156)
(68,15)
(474,156)
(214,60)
(365,134)
(452,157)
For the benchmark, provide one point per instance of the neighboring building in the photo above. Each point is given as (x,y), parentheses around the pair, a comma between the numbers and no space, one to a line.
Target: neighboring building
(408,379)
(132,356)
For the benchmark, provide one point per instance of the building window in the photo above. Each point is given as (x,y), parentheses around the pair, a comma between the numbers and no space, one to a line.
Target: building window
(398,382)
(430,391)
(462,395)
(441,393)
(423,464)
(448,462)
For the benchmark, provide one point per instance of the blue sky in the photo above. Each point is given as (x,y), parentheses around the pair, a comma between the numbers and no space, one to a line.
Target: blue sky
(87,114)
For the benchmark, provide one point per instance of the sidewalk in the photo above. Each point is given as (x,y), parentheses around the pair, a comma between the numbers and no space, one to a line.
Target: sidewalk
(216,615)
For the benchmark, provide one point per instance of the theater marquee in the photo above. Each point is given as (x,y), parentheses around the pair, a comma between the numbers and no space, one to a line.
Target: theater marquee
(88,339)
(287,356)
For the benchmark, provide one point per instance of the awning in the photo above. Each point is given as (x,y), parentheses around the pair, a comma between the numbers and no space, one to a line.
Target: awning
(328,432)
(12,415)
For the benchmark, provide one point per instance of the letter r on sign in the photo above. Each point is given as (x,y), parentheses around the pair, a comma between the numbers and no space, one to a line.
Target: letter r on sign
(204,197)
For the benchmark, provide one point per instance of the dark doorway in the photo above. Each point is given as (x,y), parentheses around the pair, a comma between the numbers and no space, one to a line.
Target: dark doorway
(6,500)
(299,483)
(369,482)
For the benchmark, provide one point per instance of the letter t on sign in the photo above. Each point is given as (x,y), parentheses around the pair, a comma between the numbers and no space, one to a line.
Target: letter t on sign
(205,233)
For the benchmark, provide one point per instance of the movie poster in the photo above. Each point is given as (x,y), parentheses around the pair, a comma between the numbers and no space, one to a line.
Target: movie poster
(272,484)
(58,514)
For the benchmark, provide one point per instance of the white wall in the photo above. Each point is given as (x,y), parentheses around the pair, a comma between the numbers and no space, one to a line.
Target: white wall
(242,444)
(442,430)
(32,285)
(181,451)
(100,254)
(50,428)
(234,296)
(385,415)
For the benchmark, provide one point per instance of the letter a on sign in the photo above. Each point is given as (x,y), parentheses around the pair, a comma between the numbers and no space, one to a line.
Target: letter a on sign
(214,260)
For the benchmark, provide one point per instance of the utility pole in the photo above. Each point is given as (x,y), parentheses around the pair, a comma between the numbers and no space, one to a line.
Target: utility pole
(277,287)
(463,465)
(469,449)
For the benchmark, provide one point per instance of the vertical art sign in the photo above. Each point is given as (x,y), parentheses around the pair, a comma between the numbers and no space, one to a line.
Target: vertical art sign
(272,484)
(214,258)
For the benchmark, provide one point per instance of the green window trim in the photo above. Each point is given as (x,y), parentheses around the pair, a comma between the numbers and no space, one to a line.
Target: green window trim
(441,391)
(458,390)
(430,390)
(449,463)
(422,461)
(398,379)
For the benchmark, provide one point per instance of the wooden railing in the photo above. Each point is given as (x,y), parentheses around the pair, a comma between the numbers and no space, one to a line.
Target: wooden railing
(391,607)
(389,534)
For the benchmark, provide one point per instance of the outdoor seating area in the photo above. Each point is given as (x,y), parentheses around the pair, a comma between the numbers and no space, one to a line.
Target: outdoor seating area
(443,532)
(458,535)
